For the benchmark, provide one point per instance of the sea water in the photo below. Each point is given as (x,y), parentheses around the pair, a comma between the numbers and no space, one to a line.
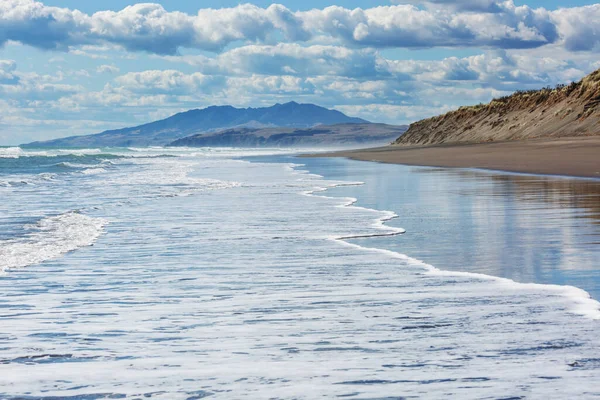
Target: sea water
(189,273)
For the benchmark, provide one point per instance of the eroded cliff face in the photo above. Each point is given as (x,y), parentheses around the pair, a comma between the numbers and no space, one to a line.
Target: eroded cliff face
(568,110)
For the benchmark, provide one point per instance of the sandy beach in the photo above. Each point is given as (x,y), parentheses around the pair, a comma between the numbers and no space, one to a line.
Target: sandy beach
(572,156)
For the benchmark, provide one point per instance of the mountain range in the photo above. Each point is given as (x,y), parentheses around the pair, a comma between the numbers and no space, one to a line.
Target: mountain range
(211,119)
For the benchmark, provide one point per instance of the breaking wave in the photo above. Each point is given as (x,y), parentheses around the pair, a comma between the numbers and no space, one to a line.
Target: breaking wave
(50,238)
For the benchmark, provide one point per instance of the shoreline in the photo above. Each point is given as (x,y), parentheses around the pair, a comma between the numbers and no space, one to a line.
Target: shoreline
(436,214)
(568,156)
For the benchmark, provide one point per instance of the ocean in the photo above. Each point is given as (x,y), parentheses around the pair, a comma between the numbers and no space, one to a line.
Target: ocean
(231,273)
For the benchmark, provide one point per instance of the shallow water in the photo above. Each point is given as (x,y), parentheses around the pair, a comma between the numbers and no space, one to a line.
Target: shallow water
(527,228)
(210,276)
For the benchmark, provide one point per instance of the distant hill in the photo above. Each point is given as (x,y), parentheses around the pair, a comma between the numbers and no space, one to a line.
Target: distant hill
(209,119)
(322,135)
(567,110)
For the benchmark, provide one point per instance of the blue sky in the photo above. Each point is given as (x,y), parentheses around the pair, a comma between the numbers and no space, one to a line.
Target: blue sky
(71,67)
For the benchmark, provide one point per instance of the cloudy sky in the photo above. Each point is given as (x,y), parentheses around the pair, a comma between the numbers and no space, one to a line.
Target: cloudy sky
(72,67)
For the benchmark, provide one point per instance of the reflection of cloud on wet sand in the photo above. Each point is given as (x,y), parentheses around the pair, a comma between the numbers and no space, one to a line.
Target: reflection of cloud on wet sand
(582,195)
(524,226)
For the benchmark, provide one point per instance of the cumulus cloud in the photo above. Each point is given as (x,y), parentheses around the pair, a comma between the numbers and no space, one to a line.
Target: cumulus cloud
(149,27)
(291,59)
(273,85)
(29,90)
(460,5)
(498,69)
(579,27)
(107,69)
(144,27)
(30,87)
(32,23)
(167,82)
(409,27)
(393,113)
(7,69)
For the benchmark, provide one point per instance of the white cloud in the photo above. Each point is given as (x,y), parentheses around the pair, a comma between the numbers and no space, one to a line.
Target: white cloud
(260,84)
(290,59)
(408,26)
(144,27)
(79,52)
(30,87)
(30,90)
(502,70)
(149,27)
(168,81)
(7,69)
(107,69)
(336,62)
(394,114)
(579,27)
(459,5)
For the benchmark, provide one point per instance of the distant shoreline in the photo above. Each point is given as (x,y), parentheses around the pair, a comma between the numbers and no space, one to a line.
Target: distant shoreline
(569,156)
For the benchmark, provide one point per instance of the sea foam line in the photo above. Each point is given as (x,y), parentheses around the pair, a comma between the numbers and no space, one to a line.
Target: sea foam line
(584,304)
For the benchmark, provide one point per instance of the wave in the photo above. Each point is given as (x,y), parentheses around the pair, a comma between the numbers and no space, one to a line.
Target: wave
(66,164)
(581,302)
(10,152)
(16,181)
(18,152)
(80,152)
(50,238)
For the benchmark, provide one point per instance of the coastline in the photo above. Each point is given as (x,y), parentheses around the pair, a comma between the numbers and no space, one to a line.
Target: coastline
(568,156)
(525,228)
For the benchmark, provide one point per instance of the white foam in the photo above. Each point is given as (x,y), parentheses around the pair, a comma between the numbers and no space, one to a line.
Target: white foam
(77,152)
(207,152)
(582,302)
(17,152)
(164,177)
(51,237)
(10,152)
(25,180)
(93,171)
(67,164)
(350,202)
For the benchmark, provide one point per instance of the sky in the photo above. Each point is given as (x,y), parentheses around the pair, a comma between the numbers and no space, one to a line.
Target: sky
(69,67)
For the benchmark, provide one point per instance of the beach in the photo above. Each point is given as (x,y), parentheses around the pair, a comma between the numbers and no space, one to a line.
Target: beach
(573,156)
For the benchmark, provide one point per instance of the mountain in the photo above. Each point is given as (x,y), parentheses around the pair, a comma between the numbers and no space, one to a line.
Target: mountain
(209,119)
(322,135)
(567,110)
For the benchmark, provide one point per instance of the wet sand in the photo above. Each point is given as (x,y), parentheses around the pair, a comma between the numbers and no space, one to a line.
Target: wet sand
(528,228)
(576,156)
